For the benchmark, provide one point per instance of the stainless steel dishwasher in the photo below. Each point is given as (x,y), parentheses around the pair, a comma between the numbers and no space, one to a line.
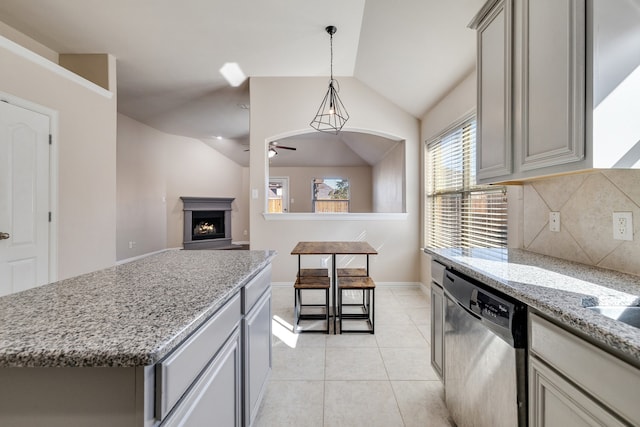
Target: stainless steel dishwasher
(485,355)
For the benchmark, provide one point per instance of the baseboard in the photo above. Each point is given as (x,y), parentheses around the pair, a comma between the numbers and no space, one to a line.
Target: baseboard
(135,258)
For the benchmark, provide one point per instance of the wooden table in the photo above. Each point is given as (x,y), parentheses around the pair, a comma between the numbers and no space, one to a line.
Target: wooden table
(334,249)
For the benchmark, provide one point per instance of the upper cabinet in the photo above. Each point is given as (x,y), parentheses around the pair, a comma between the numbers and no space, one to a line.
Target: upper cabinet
(493,150)
(570,87)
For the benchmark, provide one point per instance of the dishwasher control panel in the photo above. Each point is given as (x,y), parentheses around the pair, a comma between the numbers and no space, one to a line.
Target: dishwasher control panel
(490,307)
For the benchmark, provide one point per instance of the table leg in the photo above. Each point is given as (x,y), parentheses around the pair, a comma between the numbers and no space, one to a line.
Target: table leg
(334,275)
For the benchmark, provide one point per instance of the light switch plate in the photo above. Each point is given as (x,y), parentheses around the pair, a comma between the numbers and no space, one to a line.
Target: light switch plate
(554,222)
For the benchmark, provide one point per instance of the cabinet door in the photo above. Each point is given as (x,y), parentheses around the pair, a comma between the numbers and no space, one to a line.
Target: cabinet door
(437,329)
(553,82)
(214,399)
(554,401)
(257,353)
(493,140)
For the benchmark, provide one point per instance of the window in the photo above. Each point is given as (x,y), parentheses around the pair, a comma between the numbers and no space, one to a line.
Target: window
(459,212)
(330,195)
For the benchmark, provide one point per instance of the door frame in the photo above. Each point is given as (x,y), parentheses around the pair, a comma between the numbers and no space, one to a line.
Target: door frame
(53,174)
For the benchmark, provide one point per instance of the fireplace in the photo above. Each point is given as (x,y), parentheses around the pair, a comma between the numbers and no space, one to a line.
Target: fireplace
(207,222)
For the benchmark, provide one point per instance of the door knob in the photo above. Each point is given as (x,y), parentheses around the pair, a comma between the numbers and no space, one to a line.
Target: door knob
(4,236)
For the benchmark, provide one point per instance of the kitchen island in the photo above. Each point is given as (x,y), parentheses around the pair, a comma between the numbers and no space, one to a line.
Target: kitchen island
(111,347)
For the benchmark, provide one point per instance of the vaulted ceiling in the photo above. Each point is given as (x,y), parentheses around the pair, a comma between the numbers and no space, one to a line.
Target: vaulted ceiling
(169,53)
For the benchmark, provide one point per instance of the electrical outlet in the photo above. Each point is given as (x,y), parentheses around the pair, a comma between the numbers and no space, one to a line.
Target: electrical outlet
(554,222)
(132,244)
(623,226)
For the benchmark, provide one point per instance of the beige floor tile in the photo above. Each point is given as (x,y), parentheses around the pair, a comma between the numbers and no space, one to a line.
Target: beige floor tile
(304,363)
(410,301)
(408,364)
(419,316)
(351,340)
(355,379)
(292,404)
(360,404)
(425,330)
(407,291)
(422,403)
(354,364)
(401,336)
(392,315)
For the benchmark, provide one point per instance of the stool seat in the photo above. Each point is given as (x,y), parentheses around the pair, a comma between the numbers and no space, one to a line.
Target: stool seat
(312,282)
(352,272)
(356,283)
(313,272)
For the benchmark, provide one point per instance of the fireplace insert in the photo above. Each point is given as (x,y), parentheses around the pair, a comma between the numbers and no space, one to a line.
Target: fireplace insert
(207,225)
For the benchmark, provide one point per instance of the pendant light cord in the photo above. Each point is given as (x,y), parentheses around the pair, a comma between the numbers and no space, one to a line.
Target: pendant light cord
(331,50)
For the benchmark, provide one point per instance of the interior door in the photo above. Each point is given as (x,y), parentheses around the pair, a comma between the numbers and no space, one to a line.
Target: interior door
(278,194)
(24,199)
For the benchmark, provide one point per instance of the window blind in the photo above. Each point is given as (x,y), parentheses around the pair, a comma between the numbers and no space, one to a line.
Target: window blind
(459,212)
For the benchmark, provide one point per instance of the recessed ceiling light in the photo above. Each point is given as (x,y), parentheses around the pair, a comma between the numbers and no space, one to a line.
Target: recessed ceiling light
(218,137)
(233,74)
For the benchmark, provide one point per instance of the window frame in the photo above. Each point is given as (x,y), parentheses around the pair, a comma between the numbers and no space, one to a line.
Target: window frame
(478,216)
(314,199)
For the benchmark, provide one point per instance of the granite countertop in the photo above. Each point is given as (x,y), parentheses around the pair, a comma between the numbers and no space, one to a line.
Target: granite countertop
(557,288)
(128,315)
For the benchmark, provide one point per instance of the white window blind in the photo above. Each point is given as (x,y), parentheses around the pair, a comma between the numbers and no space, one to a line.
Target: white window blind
(459,212)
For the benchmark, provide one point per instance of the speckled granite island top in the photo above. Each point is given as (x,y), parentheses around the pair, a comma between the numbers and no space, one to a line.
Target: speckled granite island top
(557,288)
(129,315)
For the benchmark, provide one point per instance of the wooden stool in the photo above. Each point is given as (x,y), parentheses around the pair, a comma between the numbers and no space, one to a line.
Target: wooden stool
(367,286)
(314,283)
(355,272)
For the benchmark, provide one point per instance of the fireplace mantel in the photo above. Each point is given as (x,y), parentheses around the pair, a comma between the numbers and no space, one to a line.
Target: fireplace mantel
(215,205)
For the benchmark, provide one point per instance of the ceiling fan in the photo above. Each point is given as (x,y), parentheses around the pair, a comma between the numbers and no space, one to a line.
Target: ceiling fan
(272,148)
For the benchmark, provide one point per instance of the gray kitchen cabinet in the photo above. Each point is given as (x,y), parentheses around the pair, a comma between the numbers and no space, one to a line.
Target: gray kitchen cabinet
(215,398)
(257,343)
(571,69)
(493,135)
(437,318)
(552,97)
(574,383)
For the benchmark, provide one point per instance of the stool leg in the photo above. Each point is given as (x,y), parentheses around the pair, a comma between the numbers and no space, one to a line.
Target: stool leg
(373,310)
(340,309)
(326,299)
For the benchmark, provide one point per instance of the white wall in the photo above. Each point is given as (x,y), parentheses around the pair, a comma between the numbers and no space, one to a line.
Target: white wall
(389,182)
(296,100)
(86,146)
(154,170)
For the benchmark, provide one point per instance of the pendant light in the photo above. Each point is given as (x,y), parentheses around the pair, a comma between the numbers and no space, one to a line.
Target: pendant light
(331,115)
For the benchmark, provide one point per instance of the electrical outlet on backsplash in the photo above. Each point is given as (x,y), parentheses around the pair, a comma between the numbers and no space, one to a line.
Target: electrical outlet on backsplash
(586,203)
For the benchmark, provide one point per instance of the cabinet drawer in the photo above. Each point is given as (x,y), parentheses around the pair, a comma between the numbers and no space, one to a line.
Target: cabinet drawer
(176,373)
(255,288)
(214,399)
(611,381)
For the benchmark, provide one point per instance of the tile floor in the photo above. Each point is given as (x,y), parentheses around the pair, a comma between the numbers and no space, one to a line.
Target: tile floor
(355,379)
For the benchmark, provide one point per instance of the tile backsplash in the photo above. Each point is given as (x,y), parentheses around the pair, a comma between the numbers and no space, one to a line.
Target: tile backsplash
(586,203)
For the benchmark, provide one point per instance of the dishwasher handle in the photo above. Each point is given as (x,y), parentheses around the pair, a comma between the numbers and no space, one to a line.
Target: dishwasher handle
(459,304)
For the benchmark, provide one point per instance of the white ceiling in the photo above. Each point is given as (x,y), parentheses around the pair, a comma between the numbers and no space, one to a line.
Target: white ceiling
(169,53)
